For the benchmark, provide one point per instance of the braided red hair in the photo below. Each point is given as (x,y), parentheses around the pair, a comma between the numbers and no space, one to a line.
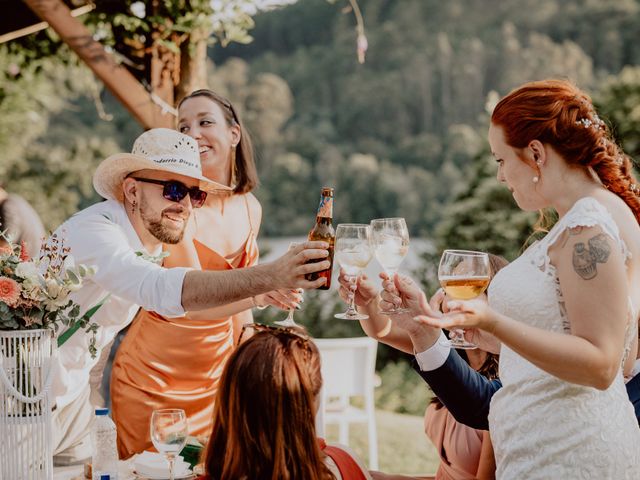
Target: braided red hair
(558,113)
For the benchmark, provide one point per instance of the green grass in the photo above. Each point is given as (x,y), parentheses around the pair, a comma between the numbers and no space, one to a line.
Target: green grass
(403,446)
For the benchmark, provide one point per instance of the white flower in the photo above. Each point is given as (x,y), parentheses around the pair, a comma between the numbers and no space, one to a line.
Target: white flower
(53,288)
(138,9)
(28,271)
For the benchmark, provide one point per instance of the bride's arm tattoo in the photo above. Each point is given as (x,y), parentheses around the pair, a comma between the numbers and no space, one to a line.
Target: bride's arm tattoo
(586,257)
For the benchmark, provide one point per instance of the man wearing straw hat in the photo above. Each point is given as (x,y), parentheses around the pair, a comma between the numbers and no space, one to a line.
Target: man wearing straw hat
(150,194)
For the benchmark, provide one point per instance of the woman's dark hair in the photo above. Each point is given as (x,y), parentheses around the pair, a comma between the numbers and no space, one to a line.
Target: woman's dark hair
(264,416)
(246,174)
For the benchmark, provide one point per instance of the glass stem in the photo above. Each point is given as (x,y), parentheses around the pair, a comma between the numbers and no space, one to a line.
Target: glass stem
(290,315)
(171,460)
(352,296)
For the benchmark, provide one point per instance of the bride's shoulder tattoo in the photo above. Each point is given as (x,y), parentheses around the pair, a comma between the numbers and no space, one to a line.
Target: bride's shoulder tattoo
(587,256)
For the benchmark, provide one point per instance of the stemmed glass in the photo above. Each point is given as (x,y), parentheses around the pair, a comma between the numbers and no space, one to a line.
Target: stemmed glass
(289,321)
(390,238)
(353,253)
(169,433)
(463,275)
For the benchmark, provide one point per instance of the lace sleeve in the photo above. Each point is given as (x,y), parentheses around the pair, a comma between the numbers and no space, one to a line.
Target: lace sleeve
(586,212)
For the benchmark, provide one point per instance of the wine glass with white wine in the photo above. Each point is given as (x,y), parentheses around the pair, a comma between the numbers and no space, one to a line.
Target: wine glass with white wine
(390,238)
(353,253)
(169,433)
(463,275)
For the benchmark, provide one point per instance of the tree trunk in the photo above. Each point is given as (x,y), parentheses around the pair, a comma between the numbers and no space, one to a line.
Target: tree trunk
(115,77)
(193,64)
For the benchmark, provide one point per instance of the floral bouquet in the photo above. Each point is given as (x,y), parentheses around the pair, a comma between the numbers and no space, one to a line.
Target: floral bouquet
(34,294)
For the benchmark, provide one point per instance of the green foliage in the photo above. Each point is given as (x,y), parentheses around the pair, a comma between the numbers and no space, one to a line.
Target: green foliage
(619,102)
(402,390)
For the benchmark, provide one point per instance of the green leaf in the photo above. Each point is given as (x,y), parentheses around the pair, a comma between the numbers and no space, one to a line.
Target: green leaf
(66,335)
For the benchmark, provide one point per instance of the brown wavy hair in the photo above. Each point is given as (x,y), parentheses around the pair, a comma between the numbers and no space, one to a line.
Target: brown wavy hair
(245,168)
(264,417)
(489,367)
(558,113)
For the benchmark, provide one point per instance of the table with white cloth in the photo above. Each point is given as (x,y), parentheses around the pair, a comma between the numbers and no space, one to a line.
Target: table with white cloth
(76,472)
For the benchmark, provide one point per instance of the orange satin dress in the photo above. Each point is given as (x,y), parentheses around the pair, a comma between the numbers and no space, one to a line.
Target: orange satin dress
(172,363)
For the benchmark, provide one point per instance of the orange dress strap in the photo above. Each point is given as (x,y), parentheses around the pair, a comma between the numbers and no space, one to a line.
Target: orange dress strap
(348,467)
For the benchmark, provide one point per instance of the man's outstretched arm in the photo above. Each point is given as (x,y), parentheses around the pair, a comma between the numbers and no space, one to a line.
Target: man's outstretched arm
(206,289)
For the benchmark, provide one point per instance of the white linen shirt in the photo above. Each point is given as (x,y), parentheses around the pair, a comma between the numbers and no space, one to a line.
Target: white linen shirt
(102,236)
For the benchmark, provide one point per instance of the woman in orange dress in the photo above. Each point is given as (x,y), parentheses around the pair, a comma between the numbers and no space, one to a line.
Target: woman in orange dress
(164,362)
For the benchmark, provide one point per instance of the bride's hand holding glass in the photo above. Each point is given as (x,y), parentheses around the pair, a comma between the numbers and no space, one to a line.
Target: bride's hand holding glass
(466,314)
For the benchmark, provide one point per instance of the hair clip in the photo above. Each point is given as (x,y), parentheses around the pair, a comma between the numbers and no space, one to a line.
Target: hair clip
(586,122)
(634,188)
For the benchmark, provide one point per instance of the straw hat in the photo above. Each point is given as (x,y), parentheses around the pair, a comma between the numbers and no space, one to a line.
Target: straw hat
(160,149)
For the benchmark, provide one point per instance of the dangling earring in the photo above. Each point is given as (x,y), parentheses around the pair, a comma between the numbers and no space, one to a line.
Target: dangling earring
(233,166)
(133,207)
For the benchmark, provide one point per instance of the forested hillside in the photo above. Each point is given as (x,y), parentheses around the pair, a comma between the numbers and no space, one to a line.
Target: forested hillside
(402,134)
(399,134)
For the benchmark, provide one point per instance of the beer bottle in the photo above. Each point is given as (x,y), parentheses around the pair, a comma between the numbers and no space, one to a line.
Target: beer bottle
(323,230)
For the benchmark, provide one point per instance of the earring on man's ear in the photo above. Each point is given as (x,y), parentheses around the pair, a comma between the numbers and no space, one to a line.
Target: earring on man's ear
(133,207)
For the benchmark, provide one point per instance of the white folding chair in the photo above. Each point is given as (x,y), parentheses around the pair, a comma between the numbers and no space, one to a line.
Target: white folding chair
(348,370)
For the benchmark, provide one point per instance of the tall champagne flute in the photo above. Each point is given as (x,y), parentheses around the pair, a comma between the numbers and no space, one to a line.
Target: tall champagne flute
(390,238)
(289,321)
(169,433)
(463,275)
(353,253)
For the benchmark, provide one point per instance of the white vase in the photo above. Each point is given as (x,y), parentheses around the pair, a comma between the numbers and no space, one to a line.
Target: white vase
(25,405)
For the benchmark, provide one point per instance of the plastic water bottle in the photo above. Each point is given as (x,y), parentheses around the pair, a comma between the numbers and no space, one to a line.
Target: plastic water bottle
(105,450)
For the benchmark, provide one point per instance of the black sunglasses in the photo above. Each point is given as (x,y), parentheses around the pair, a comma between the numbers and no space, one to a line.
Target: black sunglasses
(176,191)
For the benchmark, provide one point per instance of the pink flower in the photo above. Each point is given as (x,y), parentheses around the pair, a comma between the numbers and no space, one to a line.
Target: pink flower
(24,254)
(363,45)
(9,291)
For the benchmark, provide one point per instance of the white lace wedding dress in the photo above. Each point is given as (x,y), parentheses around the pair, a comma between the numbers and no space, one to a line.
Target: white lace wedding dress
(543,427)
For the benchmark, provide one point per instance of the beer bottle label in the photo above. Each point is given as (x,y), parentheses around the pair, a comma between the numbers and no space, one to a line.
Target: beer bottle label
(325,209)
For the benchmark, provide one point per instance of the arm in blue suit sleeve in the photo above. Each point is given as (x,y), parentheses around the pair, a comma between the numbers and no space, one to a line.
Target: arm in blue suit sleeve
(467,394)
(633,390)
(461,389)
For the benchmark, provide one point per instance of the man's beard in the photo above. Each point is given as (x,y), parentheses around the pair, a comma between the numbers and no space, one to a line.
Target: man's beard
(157,228)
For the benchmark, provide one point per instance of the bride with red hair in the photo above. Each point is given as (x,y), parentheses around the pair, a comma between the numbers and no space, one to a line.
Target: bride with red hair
(565,311)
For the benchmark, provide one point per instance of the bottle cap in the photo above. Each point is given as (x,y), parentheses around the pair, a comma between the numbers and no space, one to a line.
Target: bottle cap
(102,411)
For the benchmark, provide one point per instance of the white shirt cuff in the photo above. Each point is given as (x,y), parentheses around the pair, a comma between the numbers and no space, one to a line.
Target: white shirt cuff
(435,356)
(168,303)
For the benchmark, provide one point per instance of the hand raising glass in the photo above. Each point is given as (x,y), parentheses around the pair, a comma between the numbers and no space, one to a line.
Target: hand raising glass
(390,238)
(463,275)
(353,253)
